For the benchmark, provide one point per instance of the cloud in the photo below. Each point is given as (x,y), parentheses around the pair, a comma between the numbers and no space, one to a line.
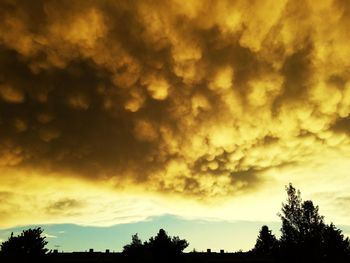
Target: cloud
(49,235)
(190,99)
(64,205)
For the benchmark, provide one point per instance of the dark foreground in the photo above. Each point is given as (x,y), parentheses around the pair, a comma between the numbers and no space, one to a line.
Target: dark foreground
(99,257)
(192,257)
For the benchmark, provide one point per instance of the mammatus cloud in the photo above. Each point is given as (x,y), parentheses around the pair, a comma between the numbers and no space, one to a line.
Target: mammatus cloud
(192,99)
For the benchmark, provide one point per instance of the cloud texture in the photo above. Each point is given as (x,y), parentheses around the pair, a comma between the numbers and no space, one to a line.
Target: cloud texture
(191,98)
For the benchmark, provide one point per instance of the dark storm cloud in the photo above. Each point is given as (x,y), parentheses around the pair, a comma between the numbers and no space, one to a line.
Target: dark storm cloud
(69,125)
(199,99)
(342,125)
(65,206)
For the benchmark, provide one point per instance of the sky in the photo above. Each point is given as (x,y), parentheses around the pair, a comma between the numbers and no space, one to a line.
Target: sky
(121,115)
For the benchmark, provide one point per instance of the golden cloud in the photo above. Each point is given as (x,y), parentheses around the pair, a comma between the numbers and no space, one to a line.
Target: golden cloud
(194,99)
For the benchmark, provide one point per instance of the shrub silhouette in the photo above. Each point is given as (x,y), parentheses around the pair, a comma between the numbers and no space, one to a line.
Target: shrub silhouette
(266,243)
(30,244)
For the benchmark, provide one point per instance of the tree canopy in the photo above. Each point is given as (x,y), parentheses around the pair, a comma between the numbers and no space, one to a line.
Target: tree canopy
(30,243)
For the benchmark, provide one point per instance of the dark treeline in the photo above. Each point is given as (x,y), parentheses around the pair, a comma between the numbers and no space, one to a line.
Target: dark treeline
(305,237)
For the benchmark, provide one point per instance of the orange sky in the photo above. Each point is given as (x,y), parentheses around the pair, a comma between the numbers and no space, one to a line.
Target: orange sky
(203,109)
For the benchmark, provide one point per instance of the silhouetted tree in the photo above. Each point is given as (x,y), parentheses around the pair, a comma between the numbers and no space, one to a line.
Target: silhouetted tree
(335,247)
(291,216)
(165,248)
(266,243)
(305,236)
(179,244)
(134,251)
(134,246)
(30,244)
(161,248)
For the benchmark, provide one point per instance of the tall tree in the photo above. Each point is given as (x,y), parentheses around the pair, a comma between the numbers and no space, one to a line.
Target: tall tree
(305,236)
(291,215)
